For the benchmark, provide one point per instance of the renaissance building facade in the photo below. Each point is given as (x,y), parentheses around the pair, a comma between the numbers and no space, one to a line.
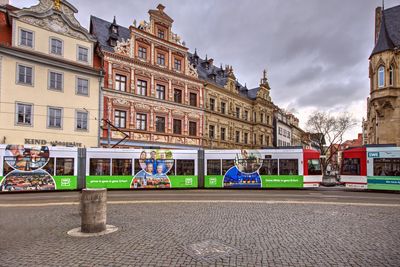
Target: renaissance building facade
(151,95)
(383,107)
(235,116)
(49,77)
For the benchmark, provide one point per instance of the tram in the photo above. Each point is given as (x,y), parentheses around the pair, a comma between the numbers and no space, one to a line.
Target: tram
(38,168)
(266,168)
(371,167)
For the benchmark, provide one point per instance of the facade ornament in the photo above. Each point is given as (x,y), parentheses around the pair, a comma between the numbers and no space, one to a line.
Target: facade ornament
(191,70)
(123,47)
(145,26)
(176,38)
(120,101)
(134,23)
(57,5)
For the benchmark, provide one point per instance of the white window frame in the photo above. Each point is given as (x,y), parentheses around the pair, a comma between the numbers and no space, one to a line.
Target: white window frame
(17,74)
(16,114)
(140,125)
(77,84)
(51,45)
(76,120)
(48,118)
(88,54)
(49,81)
(20,38)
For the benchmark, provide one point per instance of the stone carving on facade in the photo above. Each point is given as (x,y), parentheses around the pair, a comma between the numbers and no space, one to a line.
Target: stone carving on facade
(123,47)
(160,109)
(191,70)
(175,38)
(54,23)
(142,73)
(145,26)
(142,136)
(161,78)
(43,6)
(141,106)
(178,83)
(120,102)
(178,113)
(161,138)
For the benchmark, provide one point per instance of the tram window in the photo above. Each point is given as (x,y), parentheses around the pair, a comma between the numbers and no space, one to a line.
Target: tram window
(314,167)
(49,167)
(227,164)
(351,166)
(269,167)
(121,167)
(288,167)
(387,167)
(184,167)
(6,168)
(137,167)
(213,167)
(64,166)
(99,167)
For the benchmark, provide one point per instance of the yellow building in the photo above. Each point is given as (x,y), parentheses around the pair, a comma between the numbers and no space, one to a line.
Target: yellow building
(383,117)
(235,116)
(49,83)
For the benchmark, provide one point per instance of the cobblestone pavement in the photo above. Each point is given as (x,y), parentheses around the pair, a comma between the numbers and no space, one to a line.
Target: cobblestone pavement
(205,234)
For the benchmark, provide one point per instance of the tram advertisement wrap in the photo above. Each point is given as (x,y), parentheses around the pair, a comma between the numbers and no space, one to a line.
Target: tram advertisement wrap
(246,174)
(29,169)
(384,182)
(156,170)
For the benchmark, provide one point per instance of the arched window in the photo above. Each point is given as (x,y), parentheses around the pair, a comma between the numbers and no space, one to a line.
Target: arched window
(381,76)
(391,75)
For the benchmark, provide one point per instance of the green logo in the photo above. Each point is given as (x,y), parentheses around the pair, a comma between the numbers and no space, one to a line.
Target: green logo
(188,181)
(66,182)
(213,181)
(373,154)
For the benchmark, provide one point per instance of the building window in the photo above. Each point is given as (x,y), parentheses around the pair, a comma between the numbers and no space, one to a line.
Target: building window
(177,126)
(24,114)
(56,81)
(267,119)
(381,76)
(141,87)
(238,113)
(177,96)
(25,75)
(83,53)
(82,86)
(193,99)
(141,121)
(56,46)
(26,38)
(211,132)
(255,116)
(262,117)
(142,52)
(192,128)
(177,64)
(160,92)
(262,139)
(246,115)
(237,137)
(391,75)
(223,134)
(223,107)
(120,82)
(55,118)
(212,104)
(160,124)
(120,118)
(161,34)
(254,139)
(246,138)
(267,140)
(161,59)
(81,120)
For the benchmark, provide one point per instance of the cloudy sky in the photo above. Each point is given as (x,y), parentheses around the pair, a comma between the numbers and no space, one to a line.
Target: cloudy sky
(316,52)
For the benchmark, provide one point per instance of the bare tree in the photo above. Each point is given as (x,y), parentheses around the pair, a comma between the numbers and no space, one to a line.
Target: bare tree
(329,131)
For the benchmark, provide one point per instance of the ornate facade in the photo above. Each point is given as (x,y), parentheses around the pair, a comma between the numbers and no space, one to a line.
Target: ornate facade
(151,93)
(383,114)
(49,77)
(235,116)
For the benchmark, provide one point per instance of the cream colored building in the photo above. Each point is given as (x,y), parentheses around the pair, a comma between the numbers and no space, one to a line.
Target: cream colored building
(235,116)
(49,83)
(383,114)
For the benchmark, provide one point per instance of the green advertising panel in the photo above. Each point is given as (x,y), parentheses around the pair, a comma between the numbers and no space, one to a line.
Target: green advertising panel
(282,181)
(128,182)
(384,182)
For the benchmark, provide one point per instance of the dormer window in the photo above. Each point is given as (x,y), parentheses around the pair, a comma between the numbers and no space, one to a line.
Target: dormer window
(113,42)
(114,29)
(161,34)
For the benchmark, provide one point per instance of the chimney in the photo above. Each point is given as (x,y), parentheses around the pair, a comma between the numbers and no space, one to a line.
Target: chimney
(4,2)
(378,20)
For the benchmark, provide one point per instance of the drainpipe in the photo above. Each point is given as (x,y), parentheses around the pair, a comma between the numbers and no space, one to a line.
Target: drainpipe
(99,116)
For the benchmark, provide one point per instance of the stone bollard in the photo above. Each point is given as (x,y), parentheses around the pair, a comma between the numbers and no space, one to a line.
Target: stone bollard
(93,210)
